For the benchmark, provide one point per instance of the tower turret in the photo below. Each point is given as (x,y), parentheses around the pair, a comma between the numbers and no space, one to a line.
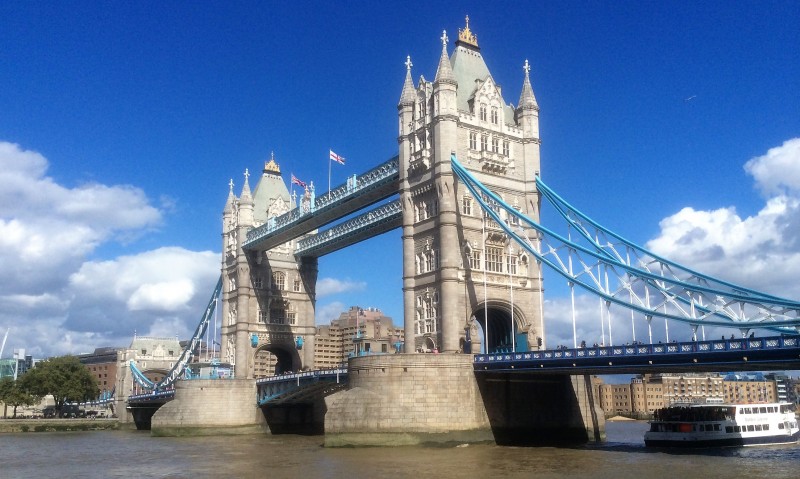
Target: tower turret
(246,203)
(528,110)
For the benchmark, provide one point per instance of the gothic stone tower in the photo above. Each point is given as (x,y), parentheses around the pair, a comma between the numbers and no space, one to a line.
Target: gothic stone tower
(459,270)
(268,297)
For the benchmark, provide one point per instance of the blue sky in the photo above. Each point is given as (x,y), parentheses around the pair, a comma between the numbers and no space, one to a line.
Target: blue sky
(121,125)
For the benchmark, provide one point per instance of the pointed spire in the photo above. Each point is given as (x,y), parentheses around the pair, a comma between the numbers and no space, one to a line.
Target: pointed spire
(444,72)
(408,96)
(231,198)
(246,196)
(526,98)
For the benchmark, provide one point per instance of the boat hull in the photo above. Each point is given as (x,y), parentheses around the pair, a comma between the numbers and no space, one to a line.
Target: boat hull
(722,442)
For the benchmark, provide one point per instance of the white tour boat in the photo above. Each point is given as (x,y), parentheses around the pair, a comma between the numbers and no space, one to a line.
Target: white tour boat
(723,425)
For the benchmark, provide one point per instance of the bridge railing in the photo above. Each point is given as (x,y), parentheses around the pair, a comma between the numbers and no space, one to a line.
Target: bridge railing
(302,375)
(776,342)
(152,396)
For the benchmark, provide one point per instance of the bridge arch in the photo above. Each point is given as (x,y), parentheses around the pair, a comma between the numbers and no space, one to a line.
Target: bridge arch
(502,335)
(270,359)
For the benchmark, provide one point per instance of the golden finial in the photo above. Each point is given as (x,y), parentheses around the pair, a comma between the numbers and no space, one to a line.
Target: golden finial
(466,36)
(271,166)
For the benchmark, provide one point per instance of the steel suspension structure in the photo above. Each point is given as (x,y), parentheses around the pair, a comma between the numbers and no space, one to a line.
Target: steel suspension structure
(626,275)
(178,369)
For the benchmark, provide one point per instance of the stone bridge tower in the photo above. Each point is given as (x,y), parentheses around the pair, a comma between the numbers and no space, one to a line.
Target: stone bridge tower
(268,297)
(460,271)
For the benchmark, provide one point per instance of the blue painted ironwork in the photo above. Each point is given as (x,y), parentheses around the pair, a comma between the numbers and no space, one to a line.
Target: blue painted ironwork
(297,387)
(178,369)
(781,352)
(382,219)
(361,186)
(152,397)
(652,294)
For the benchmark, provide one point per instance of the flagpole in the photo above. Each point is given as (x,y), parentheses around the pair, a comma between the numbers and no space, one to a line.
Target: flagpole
(329,172)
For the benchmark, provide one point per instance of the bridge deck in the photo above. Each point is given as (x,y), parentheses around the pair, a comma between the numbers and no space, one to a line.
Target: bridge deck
(748,354)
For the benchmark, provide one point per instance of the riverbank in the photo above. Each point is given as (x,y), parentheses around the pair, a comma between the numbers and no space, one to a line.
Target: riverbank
(57,425)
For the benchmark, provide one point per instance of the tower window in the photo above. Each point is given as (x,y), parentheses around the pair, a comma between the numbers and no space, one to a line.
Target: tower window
(505,148)
(512,264)
(296,286)
(483,112)
(475,259)
(466,205)
(484,142)
(494,259)
(495,145)
(473,140)
(279,280)
(494,115)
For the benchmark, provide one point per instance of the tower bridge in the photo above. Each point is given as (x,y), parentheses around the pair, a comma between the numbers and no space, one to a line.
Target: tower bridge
(466,193)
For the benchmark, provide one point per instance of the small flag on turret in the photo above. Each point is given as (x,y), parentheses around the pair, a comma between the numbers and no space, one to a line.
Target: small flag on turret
(337,158)
(296,181)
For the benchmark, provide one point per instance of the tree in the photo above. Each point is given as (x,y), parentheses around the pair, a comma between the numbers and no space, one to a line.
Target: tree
(11,394)
(64,377)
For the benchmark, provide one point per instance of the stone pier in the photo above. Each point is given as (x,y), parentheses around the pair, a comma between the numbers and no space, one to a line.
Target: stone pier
(404,399)
(407,399)
(210,407)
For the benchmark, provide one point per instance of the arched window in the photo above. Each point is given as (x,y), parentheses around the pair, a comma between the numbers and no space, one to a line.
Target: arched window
(279,280)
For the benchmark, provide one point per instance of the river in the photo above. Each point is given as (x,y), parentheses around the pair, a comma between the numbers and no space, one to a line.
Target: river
(134,454)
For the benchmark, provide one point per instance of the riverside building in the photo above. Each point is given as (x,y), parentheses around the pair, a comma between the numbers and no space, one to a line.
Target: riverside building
(356,332)
(647,393)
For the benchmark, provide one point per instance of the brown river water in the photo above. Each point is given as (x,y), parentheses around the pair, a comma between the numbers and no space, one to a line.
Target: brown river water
(134,454)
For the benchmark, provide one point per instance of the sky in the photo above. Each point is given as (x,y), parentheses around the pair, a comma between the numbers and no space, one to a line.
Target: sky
(676,124)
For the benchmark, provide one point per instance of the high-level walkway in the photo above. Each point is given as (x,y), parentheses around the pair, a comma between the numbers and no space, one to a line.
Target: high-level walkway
(354,195)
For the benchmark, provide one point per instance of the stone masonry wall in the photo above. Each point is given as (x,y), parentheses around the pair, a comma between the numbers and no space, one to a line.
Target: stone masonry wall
(407,399)
(215,407)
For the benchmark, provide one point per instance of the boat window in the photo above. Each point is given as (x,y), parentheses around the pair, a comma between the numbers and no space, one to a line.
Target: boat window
(717,427)
(738,428)
(771,409)
(745,410)
(762,410)
(758,427)
(728,429)
(780,425)
(751,428)
(766,427)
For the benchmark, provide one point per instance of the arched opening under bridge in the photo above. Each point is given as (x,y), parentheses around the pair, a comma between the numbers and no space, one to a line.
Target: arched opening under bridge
(274,359)
(498,333)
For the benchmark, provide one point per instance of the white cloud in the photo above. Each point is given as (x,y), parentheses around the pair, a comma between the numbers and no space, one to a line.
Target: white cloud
(329,286)
(326,313)
(46,230)
(778,171)
(761,251)
(53,298)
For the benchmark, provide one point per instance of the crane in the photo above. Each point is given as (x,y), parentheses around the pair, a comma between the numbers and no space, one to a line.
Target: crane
(3,346)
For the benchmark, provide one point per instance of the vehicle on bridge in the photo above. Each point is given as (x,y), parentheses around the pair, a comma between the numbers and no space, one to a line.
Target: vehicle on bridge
(723,425)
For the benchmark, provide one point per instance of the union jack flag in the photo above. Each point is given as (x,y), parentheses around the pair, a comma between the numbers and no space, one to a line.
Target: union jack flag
(296,181)
(337,158)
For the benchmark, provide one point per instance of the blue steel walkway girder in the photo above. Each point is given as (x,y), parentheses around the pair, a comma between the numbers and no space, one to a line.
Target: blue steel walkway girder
(300,387)
(367,225)
(356,194)
(745,354)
